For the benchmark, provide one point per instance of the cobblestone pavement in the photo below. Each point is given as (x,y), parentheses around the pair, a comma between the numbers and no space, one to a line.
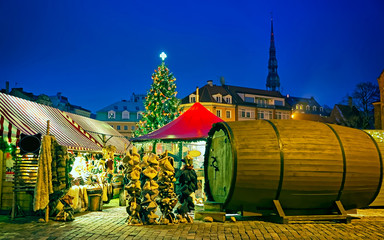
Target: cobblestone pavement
(110,224)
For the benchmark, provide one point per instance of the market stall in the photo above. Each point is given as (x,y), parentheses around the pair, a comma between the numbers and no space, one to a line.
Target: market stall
(19,116)
(186,133)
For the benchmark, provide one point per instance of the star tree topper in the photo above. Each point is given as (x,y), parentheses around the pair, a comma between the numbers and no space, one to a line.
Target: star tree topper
(163,56)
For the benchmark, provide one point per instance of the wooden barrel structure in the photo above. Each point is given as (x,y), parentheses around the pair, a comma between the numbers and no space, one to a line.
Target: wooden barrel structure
(305,165)
(378,135)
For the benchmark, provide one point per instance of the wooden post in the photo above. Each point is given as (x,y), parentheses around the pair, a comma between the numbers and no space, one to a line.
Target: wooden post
(48,127)
(47,213)
(47,208)
(13,211)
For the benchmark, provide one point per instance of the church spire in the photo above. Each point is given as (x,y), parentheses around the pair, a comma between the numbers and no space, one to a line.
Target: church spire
(273,80)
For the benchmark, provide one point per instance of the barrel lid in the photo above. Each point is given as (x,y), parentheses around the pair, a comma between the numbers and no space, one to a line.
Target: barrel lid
(219,164)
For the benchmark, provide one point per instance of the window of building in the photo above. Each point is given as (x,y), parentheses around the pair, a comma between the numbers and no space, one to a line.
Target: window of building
(297,106)
(139,115)
(192,98)
(321,109)
(245,113)
(264,114)
(218,99)
(111,114)
(279,103)
(260,115)
(133,128)
(314,108)
(261,101)
(218,113)
(125,108)
(112,126)
(115,107)
(125,127)
(228,99)
(228,114)
(281,115)
(249,99)
(125,114)
(118,127)
(301,107)
(307,108)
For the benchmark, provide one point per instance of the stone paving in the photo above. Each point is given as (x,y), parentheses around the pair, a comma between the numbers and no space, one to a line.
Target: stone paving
(110,224)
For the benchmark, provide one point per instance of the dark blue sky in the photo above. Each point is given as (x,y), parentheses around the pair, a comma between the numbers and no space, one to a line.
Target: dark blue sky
(99,52)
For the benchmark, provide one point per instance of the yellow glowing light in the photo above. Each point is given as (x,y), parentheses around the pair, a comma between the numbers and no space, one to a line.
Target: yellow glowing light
(292,116)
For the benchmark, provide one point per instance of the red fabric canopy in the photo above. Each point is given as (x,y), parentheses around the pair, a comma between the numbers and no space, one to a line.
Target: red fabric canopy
(195,123)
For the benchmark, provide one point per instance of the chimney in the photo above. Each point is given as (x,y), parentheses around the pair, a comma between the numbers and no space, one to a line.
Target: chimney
(210,83)
(197,94)
(350,103)
(7,87)
(222,81)
(59,95)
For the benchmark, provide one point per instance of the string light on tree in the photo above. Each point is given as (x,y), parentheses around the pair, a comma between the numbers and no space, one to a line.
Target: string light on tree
(161,104)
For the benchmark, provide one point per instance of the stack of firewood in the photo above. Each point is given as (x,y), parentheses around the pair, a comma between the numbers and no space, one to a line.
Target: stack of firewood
(166,179)
(150,189)
(132,173)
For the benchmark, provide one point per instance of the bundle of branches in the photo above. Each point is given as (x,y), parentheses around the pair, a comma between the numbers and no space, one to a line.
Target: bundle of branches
(166,179)
(187,179)
(150,189)
(132,173)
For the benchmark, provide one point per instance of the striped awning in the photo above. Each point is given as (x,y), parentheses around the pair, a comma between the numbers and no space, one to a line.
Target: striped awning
(102,131)
(31,118)
(8,132)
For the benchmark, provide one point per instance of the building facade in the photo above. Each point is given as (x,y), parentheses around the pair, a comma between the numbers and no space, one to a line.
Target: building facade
(61,102)
(379,106)
(306,109)
(57,101)
(233,103)
(123,115)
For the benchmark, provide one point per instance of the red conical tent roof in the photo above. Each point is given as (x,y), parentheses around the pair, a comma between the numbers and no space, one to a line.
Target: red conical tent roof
(195,123)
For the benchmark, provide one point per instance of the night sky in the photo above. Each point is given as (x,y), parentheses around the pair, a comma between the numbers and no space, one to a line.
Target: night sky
(100,52)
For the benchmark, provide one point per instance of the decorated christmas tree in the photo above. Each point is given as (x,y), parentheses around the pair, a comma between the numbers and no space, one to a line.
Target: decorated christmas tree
(161,104)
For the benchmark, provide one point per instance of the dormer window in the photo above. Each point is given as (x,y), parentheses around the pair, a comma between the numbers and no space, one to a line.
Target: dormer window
(125,114)
(321,109)
(301,107)
(314,108)
(218,98)
(139,115)
(228,99)
(111,114)
(307,108)
(192,98)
